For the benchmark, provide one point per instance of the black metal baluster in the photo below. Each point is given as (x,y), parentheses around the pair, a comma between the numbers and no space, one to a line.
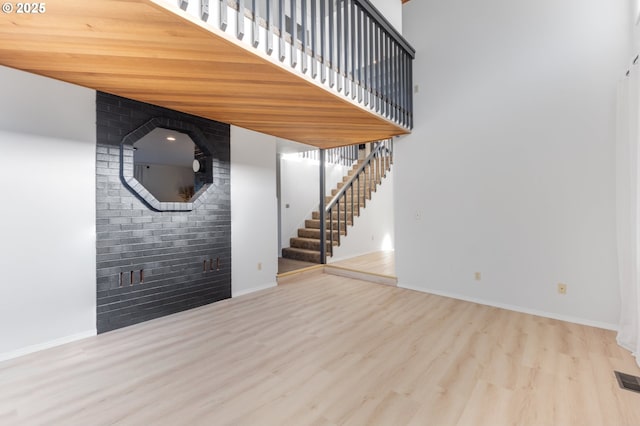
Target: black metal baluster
(223,15)
(365,62)
(389,77)
(400,85)
(294,33)
(255,25)
(387,74)
(347,35)
(331,58)
(345,214)
(269,27)
(359,46)
(338,206)
(392,74)
(411,97)
(240,20)
(405,117)
(281,54)
(352,38)
(314,29)
(397,78)
(378,65)
(367,183)
(323,16)
(323,222)
(339,36)
(372,64)
(382,65)
(204,10)
(352,194)
(358,180)
(409,88)
(303,37)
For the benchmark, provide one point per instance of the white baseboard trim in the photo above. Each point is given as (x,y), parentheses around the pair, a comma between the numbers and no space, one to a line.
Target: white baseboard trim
(46,345)
(252,289)
(544,314)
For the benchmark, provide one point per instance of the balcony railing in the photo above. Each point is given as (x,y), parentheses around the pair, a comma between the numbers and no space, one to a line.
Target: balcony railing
(345,45)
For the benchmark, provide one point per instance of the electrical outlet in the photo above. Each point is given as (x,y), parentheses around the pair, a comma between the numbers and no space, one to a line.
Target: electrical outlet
(478,276)
(562,288)
(259,266)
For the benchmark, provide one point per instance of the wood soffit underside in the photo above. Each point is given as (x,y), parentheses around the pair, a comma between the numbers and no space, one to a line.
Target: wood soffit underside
(151,52)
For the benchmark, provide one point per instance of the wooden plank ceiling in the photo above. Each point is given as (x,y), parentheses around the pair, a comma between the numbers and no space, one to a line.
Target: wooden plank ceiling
(155,53)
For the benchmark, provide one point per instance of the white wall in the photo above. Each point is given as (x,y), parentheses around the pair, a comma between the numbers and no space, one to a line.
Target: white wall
(299,190)
(511,162)
(254,217)
(635,26)
(392,10)
(374,230)
(47,214)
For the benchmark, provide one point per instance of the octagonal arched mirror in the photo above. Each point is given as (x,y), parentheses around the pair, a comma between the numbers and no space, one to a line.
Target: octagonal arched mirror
(163,163)
(166,164)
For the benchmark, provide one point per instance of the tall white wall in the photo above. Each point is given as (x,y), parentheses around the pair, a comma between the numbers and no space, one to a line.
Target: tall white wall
(254,216)
(373,230)
(635,29)
(510,168)
(47,213)
(391,10)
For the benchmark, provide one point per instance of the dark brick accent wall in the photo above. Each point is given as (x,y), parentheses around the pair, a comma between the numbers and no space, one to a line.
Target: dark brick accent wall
(168,250)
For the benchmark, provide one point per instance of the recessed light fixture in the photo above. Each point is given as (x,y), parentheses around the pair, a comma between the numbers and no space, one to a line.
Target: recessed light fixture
(171,138)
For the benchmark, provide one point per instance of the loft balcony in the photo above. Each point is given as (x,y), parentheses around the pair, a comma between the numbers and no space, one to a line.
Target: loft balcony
(337,74)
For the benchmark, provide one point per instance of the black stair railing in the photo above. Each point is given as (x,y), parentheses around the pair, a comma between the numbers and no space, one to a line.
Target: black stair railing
(346,204)
(358,52)
(344,155)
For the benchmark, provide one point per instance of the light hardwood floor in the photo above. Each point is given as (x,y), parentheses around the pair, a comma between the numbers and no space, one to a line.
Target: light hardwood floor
(328,351)
(381,262)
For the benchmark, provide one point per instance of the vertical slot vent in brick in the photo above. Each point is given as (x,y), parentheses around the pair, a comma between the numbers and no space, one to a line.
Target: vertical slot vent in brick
(132,278)
(120,280)
(217,264)
(141,276)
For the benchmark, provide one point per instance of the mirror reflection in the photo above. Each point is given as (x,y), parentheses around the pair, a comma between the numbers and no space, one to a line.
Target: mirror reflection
(164,164)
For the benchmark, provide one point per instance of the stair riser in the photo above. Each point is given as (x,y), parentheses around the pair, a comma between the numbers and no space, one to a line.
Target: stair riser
(315,223)
(369,174)
(308,245)
(328,199)
(365,178)
(316,215)
(315,233)
(363,190)
(347,208)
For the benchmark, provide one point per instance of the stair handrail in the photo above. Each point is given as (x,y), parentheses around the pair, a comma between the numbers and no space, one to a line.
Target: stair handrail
(379,148)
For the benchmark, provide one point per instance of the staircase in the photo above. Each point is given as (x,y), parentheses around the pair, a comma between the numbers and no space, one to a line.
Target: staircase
(346,202)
